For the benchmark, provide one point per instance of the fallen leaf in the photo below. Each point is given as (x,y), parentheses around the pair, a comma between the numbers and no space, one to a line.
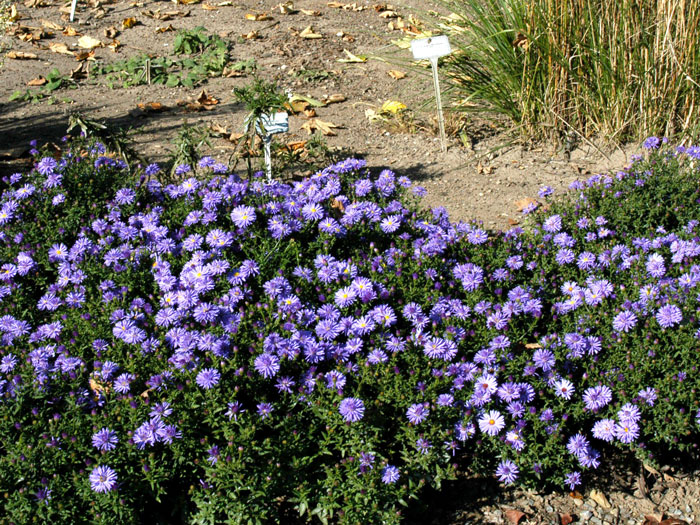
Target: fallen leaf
(521,204)
(316,124)
(60,47)
(297,106)
(396,74)
(352,59)
(165,29)
(286,8)
(565,519)
(39,81)
(521,41)
(642,485)
(187,1)
(514,516)
(97,386)
(336,204)
(209,7)
(129,22)
(309,33)
(218,129)
(653,519)
(600,498)
(85,55)
(309,113)
(48,24)
(14,15)
(309,12)
(309,100)
(70,31)
(651,470)
(253,35)
(334,99)
(225,3)
(532,346)
(335,5)
(260,17)
(206,99)
(21,55)
(79,72)
(673,521)
(152,107)
(575,494)
(114,45)
(484,170)
(389,14)
(111,32)
(392,106)
(513,222)
(87,42)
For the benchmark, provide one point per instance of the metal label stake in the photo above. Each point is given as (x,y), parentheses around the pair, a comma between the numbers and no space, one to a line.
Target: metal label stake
(267,126)
(431,49)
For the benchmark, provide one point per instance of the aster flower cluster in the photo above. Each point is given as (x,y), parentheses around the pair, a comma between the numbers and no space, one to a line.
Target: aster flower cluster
(221,333)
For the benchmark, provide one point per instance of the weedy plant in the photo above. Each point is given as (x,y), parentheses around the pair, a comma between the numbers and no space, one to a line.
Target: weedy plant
(615,70)
(54,81)
(186,151)
(260,98)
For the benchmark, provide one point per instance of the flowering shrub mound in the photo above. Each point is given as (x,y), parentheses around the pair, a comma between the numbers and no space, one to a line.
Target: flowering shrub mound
(224,350)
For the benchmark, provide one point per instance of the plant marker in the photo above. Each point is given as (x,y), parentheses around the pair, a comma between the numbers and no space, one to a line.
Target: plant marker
(431,49)
(72,9)
(271,125)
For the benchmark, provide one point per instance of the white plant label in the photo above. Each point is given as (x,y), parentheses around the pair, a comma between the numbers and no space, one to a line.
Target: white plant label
(273,125)
(433,47)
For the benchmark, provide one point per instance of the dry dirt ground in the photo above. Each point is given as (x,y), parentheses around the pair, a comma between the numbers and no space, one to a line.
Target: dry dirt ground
(480,177)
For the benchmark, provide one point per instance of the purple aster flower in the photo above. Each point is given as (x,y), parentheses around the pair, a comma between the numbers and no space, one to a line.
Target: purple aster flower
(352,409)
(648,395)
(267,365)
(125,196)
(624,321)
(669,315)
(604,430)
(105,439)
(243,216)
(491,422)
(391,223)
(103,479)
(627,432)
(564,388)
(46,166)
(552,224)
(423,445)
(507,472)
(629,413)
(572,480)
(264,410)
(390,474)
(208,378)
(417,413)
(577,445)
(597,397)
(652,143)
(655,265)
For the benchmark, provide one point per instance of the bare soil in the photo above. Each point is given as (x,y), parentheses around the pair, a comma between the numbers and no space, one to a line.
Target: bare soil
(481,177)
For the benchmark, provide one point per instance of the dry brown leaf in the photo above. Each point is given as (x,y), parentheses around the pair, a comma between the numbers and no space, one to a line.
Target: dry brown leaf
(389,14)
(169,27)
(286,8)
(514,516)
(334,99)
(260,17)
(337,5)
(152,107)
(14,15)
(48,24)
(114,45)
(521,204)
(129,22)
(513,222)
(35,3)
(39,81)
(88,42)
(565,519)
(209,7)
(651,470)
(218,129)
(187,1)
(253,35)
(309,33)
(206,99)
(521,41)
(600,498)
(60,47)
(316,124)
(673,521)
(297,106)
(111,32)
(336,204)
(98,386)
(70,31)
(21,55)
(575,494)
(396,74)
(85,55)
(309,113)
(532,346)
(310,12)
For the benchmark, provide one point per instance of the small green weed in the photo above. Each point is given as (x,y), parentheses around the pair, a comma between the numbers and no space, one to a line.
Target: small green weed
(187,145)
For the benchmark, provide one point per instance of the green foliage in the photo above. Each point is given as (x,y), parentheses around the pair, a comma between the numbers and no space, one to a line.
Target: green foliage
(187,147)
(615,70)
(54,81)
(206,56)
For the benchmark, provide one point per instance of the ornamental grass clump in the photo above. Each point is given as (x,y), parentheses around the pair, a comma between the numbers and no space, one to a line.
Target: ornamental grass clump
(224,350)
